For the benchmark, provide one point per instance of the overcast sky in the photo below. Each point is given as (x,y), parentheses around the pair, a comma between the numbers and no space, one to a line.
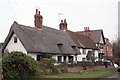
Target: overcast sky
(95,14)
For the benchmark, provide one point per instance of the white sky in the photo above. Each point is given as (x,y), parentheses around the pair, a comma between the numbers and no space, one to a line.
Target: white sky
(95,14)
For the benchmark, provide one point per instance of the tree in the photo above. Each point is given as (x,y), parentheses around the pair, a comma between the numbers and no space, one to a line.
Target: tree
(18,65)
(116,51)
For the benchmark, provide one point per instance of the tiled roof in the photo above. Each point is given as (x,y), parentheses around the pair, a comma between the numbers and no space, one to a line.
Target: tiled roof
(95,35)
(81,40)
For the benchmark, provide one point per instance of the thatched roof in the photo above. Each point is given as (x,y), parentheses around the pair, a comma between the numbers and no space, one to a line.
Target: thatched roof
(45,40)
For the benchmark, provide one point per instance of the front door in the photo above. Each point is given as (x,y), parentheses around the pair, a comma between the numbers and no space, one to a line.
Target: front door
(39,57)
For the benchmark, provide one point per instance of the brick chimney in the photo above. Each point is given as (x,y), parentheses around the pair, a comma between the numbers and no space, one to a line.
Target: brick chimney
(63,25)
(38,19)
(87,31)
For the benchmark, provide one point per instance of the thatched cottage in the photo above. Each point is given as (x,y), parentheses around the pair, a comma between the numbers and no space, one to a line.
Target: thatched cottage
(63,45)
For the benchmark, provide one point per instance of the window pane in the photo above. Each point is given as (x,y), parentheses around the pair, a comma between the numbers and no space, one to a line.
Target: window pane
(70,58)
(64,58)
(15,39)
(59,58)
(84,51)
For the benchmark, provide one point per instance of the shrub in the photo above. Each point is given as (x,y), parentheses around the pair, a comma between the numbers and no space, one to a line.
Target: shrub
(18,65)
(63,67)
(46,67)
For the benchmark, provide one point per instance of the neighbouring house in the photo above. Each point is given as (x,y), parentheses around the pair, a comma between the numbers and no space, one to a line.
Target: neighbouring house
(108,48)
(85,44)
(63,45)
(104,46)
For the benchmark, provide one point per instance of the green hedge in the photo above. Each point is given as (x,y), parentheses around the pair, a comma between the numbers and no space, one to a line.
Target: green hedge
(18,65)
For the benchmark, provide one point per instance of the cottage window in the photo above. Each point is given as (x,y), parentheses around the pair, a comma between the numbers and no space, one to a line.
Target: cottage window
(76,49)
(15,39)
(70,59)
(100,46)
(59,58)
(84,51)
(64,57)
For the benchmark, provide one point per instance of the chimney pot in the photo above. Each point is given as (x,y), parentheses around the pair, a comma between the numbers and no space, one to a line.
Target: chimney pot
(61,21)
(65,24)
(87,32)
(65,20)
(37,12)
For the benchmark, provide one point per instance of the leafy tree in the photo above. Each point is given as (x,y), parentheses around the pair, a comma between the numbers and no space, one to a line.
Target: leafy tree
(18,65)
(116,51)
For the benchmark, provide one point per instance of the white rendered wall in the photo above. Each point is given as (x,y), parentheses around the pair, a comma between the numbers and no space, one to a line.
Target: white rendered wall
(11,46)
(96,54)
(80,57)
(33,55)
(55,57)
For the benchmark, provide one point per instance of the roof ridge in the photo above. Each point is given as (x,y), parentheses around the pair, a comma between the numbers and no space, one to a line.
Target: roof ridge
(92,30)
(35,27)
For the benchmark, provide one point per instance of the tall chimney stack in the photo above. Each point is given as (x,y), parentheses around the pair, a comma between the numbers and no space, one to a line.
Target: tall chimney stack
(63,25)
(38,19)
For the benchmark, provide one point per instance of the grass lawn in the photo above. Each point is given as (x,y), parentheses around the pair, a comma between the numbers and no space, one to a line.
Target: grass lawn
(89,74)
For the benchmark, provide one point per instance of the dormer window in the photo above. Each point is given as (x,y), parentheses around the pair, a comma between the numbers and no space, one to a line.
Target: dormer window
(73,47)
(15,39)
(76,49)
(60,46)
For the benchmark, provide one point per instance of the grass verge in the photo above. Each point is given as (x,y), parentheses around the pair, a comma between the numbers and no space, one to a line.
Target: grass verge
(86,74)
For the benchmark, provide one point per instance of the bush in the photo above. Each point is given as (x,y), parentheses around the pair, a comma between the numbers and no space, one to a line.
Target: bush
(63,67)
(46,67)
(18,65)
